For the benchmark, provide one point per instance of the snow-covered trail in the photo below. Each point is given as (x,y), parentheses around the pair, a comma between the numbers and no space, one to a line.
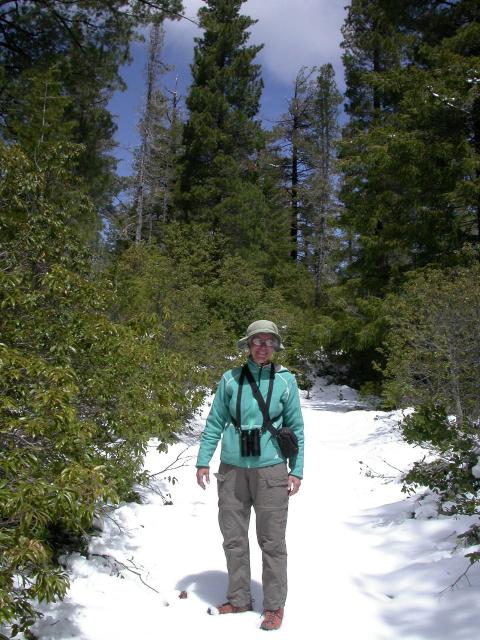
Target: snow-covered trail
(322,520)
(360,565)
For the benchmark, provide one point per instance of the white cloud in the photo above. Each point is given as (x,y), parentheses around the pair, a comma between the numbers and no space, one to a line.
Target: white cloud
(297,33)
(294,33)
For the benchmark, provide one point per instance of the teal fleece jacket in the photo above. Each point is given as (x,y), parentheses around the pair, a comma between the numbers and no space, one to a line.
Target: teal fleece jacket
(284,411)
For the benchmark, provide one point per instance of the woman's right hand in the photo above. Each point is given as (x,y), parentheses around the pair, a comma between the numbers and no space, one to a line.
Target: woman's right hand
(203,475)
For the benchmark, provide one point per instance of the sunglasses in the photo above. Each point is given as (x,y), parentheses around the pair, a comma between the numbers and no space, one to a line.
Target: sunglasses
(269,342)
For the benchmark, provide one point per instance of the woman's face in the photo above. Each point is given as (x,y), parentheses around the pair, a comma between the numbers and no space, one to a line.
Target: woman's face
(260,351)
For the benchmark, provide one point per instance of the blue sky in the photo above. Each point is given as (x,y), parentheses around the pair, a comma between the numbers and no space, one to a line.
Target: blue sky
(294,33)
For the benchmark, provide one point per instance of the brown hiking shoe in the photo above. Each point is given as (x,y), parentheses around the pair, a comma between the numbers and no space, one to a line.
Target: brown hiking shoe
(227,607)
(272,619)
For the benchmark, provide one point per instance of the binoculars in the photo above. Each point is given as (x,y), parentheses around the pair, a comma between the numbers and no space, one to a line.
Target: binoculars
(250,442)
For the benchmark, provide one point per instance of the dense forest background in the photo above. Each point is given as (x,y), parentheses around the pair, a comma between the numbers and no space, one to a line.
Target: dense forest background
(361,242)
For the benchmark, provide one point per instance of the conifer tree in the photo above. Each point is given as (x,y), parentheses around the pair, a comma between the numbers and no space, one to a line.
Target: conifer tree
(289,143)
(165,152)
(218,176)
(304,146)
(86,42)
(408,157)
(320,189)
(412,108)
(160,127)
(373,45)
(142,159)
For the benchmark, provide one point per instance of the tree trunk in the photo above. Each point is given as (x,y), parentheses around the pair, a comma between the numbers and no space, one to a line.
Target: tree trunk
(476,146)
(140,199)
(145,129)
(294,215)
(320,260)
(376,94)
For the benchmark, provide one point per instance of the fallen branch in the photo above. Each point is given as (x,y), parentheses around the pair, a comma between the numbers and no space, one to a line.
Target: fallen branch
(120,529)
(391,466)
(170,467)
(167,498)
(462,575)
(371,473)
(109,558)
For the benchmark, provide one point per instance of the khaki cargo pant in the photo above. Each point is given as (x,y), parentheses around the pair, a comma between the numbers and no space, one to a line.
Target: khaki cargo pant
(266,490)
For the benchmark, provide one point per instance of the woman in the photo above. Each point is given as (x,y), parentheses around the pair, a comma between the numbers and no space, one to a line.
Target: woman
(253,470)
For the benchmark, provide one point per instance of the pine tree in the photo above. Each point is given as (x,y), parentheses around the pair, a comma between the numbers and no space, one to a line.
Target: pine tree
(290,141)
(87,42)
(303,144)
(165,152)
(218,176)
(404,154)
(409,184)
(152,185)
(320,188)
(150,113)
(373,46)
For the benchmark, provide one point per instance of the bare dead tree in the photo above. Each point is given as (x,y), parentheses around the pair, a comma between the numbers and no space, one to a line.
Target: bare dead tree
(152,72)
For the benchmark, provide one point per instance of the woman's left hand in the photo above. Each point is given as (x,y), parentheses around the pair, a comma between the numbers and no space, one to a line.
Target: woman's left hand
(293,485)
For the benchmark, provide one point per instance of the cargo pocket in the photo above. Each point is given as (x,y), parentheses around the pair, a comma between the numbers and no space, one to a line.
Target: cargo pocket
(273,493)
(220,486)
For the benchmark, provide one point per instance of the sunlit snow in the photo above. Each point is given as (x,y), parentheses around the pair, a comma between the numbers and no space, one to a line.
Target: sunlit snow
(365,561)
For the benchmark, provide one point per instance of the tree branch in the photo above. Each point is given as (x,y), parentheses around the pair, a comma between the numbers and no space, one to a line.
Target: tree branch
(462,575)
(154,5)
(170,467)
(110,558)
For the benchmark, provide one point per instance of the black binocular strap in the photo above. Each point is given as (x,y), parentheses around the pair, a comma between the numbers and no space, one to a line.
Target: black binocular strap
(238,423)
(264,405)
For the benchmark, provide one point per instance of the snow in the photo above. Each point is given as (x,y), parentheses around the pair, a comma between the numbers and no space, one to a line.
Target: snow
(476,469)
(365,561)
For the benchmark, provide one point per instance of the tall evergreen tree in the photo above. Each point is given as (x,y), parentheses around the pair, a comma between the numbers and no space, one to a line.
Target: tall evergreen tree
(322,206)
(290,138)
(408,158)
(165,152)
(155,159)
(218,177)
(87,42)
(405,153)
(304,146)
(373,45)
(150,114)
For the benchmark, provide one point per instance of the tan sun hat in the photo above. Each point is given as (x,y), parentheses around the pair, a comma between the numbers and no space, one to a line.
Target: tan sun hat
(261,326)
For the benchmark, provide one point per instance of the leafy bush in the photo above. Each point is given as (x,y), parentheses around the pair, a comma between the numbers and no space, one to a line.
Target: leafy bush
(456,451)
(81,392)
(434,343)
(434,365)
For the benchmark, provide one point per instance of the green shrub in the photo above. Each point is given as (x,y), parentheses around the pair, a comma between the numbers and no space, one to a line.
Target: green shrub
(454,451)
(81,392)
(433,345)
(433,365)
